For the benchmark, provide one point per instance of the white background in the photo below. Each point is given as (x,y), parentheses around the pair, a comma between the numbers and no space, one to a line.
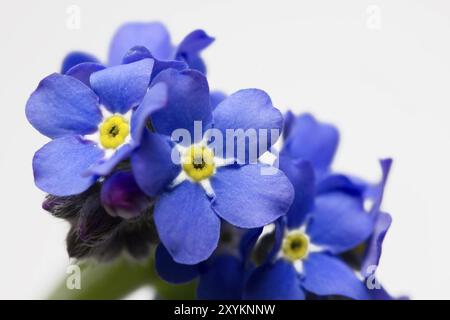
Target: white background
(385,85)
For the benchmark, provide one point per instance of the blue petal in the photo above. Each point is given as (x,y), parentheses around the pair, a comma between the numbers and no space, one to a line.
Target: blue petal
(154,100)
(186,223)
(301,175)
(289,119)
(84,70)
(194,43)
(247,198)
(152,163)
(313,141)
(121,196)
(105,166)
(223,279)
(325,275)
(375,243)
(171,271)
(154,36)
(75,58)
(59,167)
(188,102)
(377,192)
(190,48)
(278,281)
(139,53)
(215,98)
(122,87)
(62,105)
(248,109)
(339,222)
(382,222)
(341,183)
(382,294)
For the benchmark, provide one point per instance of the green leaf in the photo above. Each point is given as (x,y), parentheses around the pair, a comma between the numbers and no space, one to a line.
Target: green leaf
(116,279)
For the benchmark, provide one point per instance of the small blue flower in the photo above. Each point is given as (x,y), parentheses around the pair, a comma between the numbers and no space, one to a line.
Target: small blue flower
(306,258)
(327,219)
(308,139)
(154,37)
(92,128)
(193,199)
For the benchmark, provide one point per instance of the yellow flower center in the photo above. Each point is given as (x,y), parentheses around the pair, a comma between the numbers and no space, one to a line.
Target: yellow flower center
(114,131)
(295,246)
(198,163)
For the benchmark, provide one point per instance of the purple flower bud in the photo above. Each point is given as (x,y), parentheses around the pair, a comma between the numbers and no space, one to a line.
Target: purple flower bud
(121,196)
(50,203)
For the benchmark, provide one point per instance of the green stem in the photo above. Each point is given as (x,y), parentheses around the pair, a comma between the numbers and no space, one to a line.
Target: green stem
(114,280)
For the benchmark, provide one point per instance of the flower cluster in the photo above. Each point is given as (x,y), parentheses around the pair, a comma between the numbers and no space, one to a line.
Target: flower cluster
(145,159)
